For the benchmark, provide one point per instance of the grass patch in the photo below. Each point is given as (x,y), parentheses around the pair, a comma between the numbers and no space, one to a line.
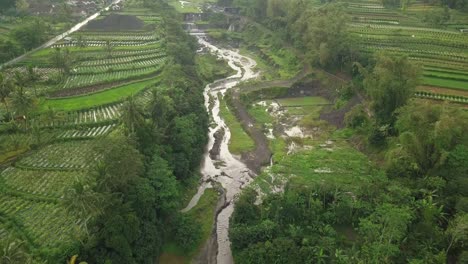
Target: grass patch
(240,141)
(210,68)
(97,99)
(342,166)
(445,83)
(260,114)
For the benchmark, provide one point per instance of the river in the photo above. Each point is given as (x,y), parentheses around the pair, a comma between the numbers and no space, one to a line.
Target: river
(233,175)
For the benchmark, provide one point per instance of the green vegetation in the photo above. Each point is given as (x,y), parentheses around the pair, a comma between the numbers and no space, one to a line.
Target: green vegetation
(400,199)
(211,68)
(101,98)
(71,114)
(201,215)
(240,141)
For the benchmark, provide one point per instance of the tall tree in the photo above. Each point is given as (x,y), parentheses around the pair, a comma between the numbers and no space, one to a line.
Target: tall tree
(22,102)
(390,85)
(132,114)
(6,87)
(429,132)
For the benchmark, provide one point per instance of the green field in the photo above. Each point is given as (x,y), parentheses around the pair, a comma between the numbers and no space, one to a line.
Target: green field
(434,81)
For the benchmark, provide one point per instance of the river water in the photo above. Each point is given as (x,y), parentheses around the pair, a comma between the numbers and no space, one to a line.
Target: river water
(233,175)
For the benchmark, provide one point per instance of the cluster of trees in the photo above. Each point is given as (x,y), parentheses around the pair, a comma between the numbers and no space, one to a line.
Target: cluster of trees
(412,210)
(321,32)
(454,4)
(24,37)
(13,95)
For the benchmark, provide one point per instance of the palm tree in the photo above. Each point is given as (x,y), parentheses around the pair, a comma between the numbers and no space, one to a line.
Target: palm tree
(13,252)
(52,117)
(22,102)
(109,47)
(132,114)
(80,200)
(32,77)
(6,87)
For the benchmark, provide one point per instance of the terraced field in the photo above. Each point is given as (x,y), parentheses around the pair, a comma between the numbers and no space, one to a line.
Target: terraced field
(442,52)
(75,113)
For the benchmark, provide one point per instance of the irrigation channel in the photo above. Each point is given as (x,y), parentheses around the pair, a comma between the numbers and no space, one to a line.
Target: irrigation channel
(218,164)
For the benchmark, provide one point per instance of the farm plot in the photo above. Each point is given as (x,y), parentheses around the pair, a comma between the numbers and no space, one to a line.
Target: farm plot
(83,80)
(445,61)
(39,182)
(87,133)
(131,57)
(127,63)
(99,99)
(103,114)
(101,43)
(132,36)
(71,155)
(47,224)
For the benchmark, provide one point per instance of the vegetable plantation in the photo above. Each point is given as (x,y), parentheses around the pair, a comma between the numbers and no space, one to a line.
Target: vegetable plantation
(442,51)
(80,84)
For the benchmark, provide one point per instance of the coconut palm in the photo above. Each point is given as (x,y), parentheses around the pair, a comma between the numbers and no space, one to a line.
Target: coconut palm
(12,251)
(6,87)
(108,48)
(132,114)
(32,77)
(80,200)
(22,102)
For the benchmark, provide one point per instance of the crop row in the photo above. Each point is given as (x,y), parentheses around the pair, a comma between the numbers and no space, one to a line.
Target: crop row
(376,21)
(421,53)
(397,39)
(104,43)
(90,132)
(427,37)
(83,80)
(117,36)
(443,64)
(100,54)
(437,33)
(62,156)
(39,182)
(445,97)
(103,114)
(47,223)
(123,59)
(119,67)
